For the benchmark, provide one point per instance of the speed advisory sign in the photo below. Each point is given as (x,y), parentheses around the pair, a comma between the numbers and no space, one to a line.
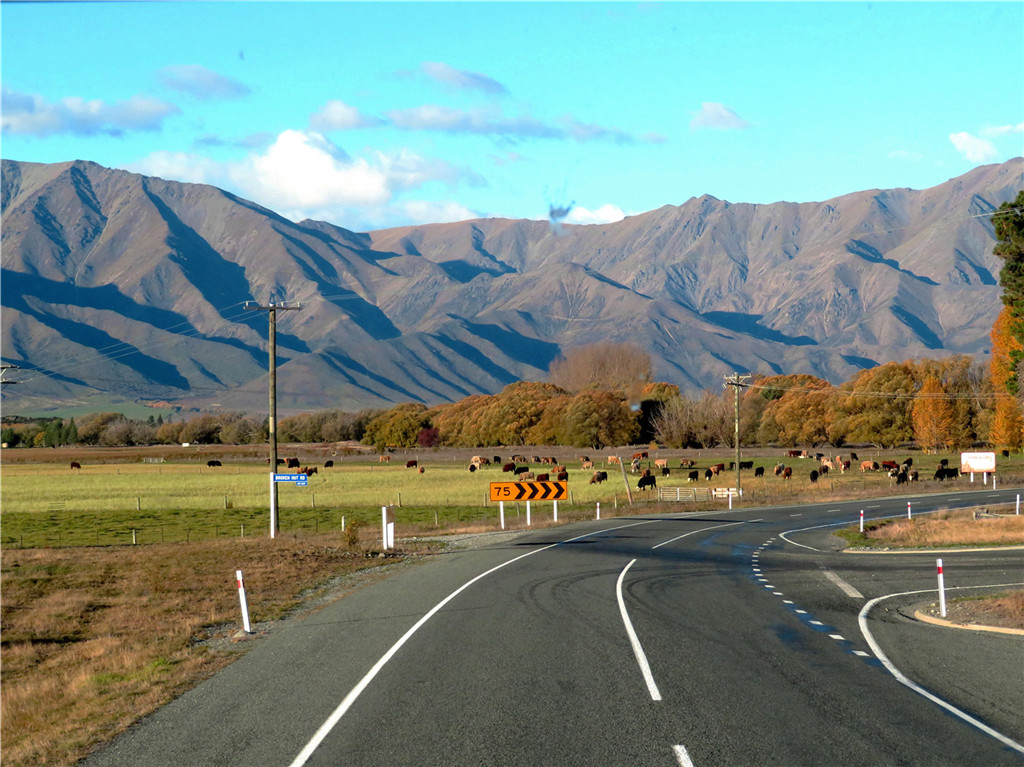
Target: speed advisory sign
(529,491)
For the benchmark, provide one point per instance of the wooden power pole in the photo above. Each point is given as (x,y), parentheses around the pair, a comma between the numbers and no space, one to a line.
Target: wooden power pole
(738,382)
(272,309)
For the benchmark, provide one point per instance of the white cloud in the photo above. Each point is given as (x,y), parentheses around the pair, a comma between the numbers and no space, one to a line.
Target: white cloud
(995,131)
(973,148)
(337,115)
(461,79)
(30,114)
(303,175)
(606,214)
(717,117)
(201,82)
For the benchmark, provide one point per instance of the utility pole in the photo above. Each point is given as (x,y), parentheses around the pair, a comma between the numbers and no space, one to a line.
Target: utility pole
(272,309)
(4,369)
(738,382)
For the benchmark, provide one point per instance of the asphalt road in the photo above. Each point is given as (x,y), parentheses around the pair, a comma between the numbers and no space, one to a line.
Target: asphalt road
(731,638)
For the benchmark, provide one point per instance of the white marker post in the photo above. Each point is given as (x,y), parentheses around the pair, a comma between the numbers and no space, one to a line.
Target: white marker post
(388,527)
(556,510)
(862,520)
(599,507)
(908,509)
(942,589)
(501,513)
(527,513)
(1018,504)
(245,605)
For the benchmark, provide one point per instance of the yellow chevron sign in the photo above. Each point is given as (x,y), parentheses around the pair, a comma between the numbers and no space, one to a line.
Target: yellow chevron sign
(529,491)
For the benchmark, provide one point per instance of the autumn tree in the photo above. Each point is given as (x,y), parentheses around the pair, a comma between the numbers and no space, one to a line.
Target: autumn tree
(804,414)
(875,406)
(398,427)
(606,366)
(599,418)
(933,416)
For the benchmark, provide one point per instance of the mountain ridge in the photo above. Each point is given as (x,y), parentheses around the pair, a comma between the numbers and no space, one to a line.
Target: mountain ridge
(121,285)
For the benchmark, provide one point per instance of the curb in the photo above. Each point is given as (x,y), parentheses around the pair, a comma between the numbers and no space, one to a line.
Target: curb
(949,624)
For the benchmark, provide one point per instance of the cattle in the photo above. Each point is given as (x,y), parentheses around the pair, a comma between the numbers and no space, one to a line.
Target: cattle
(942,473)
(496,460)
(476,459)
(552,460)
(280,461)
(664,471)
(562,476)
(328,464)
(1005,453)
(526,476)
(853,456)
(661,463)
(693,476)
(645,473)
(759,471)
(646,482)
(746,465)
(613,459)
(411,464)
(890,465)
(778,469)
(535,459)
(908,462)
(472,468)
(560,469)
(584,458)
(944,463)
(293,463)
(732,465)
(598,477)
(717,468)
(543,477)
(787,473)
(823,470)
(793,454)
(844,466)
(892,473)
(634,466)
(640,456)
(420,470)
(76,465)
(708,474)
(868,466)
(813,476)
(508,467)
(383,459)
(521,470)
(587,465)
(686,463)
(211,464)
(309,471)
(913,475)
(901,478)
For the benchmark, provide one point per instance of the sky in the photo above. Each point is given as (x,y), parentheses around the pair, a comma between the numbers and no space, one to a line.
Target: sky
(372,115)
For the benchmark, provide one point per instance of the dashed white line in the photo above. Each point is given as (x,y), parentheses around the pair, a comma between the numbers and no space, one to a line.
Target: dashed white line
(837,637)
(846,588)
(682,756)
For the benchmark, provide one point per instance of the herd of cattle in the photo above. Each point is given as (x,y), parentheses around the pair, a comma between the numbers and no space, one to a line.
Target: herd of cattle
(901,472)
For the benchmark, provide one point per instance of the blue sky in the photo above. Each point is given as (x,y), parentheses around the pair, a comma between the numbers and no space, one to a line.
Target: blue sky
(372,114)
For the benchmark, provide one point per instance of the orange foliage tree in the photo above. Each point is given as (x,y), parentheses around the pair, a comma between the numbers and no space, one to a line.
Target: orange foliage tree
(933,416)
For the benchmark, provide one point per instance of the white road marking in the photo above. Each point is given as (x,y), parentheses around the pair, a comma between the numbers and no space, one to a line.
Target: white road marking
(787,601)
(801,612)
(816,623)
(638,651)
(694,532)
(356,691)
(862,653)
(862,619)
(682,756)
(831,511)
(846,588)
(837,637)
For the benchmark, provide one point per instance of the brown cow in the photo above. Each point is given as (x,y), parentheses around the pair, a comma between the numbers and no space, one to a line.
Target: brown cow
(543,477)
(587,465)
(718,467)
(508,467)
(411,464)
(868,466)
(76,465)
(660,463)
(613,459)
(787,473)
(563,476)
(383,459)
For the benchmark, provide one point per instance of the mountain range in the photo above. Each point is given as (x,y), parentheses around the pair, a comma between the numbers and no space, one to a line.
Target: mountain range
(119,286)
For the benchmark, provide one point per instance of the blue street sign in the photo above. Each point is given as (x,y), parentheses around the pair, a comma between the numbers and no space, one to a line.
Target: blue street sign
(300,479)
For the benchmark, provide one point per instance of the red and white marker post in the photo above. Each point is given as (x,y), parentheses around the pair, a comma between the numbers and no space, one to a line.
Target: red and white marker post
(908,509)
(245,605)
(862,520)
(942,589)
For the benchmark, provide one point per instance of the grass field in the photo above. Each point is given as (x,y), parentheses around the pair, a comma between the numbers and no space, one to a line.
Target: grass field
(117,499)
(98,632)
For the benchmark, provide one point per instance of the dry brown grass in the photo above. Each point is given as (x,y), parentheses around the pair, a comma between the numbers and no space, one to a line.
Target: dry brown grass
(94,638)
(950,528)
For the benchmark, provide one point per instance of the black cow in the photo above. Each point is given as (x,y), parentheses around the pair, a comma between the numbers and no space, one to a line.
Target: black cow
(472,467)
(759,471)
(76,465)
(746,465)
(814,476)
(521,470)
(293,463)
(563,476)
(496,459)
(664,471)
(708,474)
(211,464)
(328,464)
(646,482)
(693,476)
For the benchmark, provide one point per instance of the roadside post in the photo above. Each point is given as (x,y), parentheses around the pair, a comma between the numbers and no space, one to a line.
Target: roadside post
(245,605)
(908,509)
(942,589)
(388,527)
(862,520)
(501,513)
(527,490)
(599,507)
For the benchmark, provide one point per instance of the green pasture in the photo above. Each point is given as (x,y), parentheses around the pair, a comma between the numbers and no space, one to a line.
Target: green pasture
(107,504)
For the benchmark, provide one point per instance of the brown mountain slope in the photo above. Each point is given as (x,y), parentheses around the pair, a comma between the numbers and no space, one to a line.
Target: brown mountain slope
(120,285)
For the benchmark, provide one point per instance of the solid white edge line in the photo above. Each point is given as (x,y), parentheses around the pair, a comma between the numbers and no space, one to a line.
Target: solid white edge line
(355,692)
(862,619)
(638,651)
(682,756)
